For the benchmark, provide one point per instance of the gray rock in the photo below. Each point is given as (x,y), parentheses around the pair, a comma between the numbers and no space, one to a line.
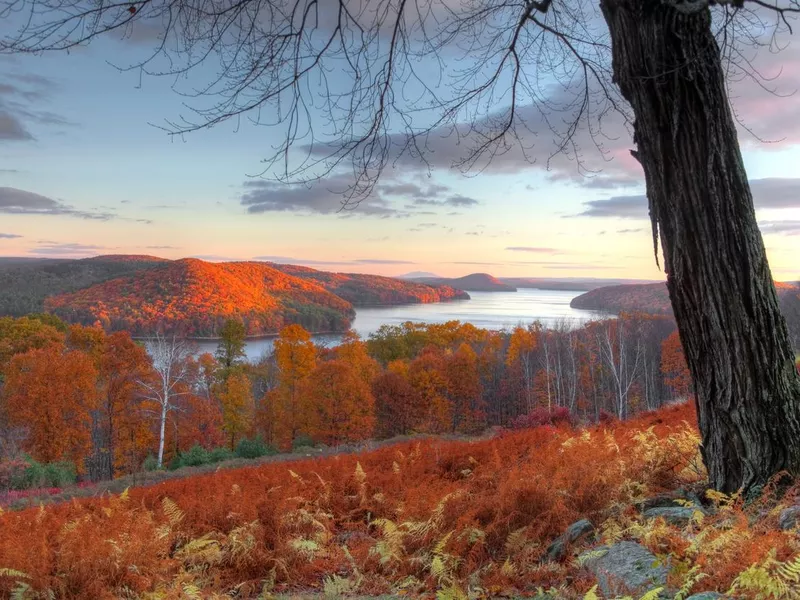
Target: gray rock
(706,596)
(789,518)
(674,515)
(668,499)
(626,568)
(558,549)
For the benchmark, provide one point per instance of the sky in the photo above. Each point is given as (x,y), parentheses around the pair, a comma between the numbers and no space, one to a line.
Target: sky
(86,168)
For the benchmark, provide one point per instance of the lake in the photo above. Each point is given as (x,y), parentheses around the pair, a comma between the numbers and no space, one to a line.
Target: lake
(487,310)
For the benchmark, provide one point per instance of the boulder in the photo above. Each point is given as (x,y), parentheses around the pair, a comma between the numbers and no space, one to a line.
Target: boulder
(558,549)
(674,515)
(626,568)
(789,518)
(706,596)
(669,499)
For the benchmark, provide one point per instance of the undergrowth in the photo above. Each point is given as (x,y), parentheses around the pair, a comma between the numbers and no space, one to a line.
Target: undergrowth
(451,520)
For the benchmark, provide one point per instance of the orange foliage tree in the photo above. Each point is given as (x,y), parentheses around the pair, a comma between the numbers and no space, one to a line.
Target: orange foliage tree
(52,393)
(121,433)
(345,407)
(295,355)
(426,374)
(464,390)
(20,335)
(396,407)
(236,399)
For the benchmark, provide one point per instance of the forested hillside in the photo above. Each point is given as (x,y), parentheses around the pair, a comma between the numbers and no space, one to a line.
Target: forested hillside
(653,298)
(195,298)
(368,290)
(475,282)
(24,285)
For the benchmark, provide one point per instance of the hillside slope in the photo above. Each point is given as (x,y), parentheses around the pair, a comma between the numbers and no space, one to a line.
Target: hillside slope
(24,284)
(371,290)
(474,282)
(424,519)
(195,297)
(653,298)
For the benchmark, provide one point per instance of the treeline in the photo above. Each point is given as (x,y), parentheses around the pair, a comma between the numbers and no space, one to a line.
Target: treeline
(111,406)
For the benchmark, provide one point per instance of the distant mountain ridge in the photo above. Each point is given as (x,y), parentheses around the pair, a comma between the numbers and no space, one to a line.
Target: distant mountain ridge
(475,282)
(653,298)
(145,293)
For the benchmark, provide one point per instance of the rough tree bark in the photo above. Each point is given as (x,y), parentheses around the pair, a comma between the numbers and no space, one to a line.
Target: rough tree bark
(668,66)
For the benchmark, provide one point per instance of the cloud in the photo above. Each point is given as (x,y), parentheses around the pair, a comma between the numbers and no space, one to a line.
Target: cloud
(14,201)
(163,247)
(624,207)
(358,261)
(768,193)
(532,249)
(780,227)
(18,102)
(460,201)
(69,249)
(635,230)
(9,236)
(322,198)
(12,129)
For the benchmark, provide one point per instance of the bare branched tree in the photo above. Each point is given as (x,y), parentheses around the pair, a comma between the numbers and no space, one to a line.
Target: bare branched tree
(356,86)
(172,379)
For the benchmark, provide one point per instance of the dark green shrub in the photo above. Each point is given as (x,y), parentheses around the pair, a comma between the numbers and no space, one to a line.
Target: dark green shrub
(253,448)
(60,474)
(175,463)
(38,475)
(150,463)
(303,441)
(196,456)
(220,454)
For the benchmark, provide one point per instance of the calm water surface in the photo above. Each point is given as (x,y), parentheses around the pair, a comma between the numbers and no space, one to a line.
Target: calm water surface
(487,310)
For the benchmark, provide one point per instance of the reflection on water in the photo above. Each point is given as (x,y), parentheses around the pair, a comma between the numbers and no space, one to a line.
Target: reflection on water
(487,310)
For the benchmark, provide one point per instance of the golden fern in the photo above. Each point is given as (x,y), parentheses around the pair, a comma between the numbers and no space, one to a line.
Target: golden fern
(173,513)
(770,579)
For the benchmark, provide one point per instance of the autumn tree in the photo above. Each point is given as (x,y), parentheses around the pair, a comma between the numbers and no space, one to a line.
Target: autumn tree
(236,398)
(52,392)
(428,378)
(170,380)
(522,357)
(354,352)
(342,402)
(17,336)
(230,350)
(464,390)
(555,66)
(396,407)
(121,433)
(295,355)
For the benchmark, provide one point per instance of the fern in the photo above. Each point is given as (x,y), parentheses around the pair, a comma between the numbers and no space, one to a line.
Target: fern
(653,594)
(770,579)
(172,512)
(693,575)
(591,594)
(336,587)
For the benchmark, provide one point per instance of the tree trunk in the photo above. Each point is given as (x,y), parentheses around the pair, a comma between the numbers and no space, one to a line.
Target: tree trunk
(161,435)
(668,66)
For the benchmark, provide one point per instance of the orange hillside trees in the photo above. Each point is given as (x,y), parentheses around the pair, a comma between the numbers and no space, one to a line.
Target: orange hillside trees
(343,402)
(236,399)
(52,393)
(464,390)
(295,355)
(121,433)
